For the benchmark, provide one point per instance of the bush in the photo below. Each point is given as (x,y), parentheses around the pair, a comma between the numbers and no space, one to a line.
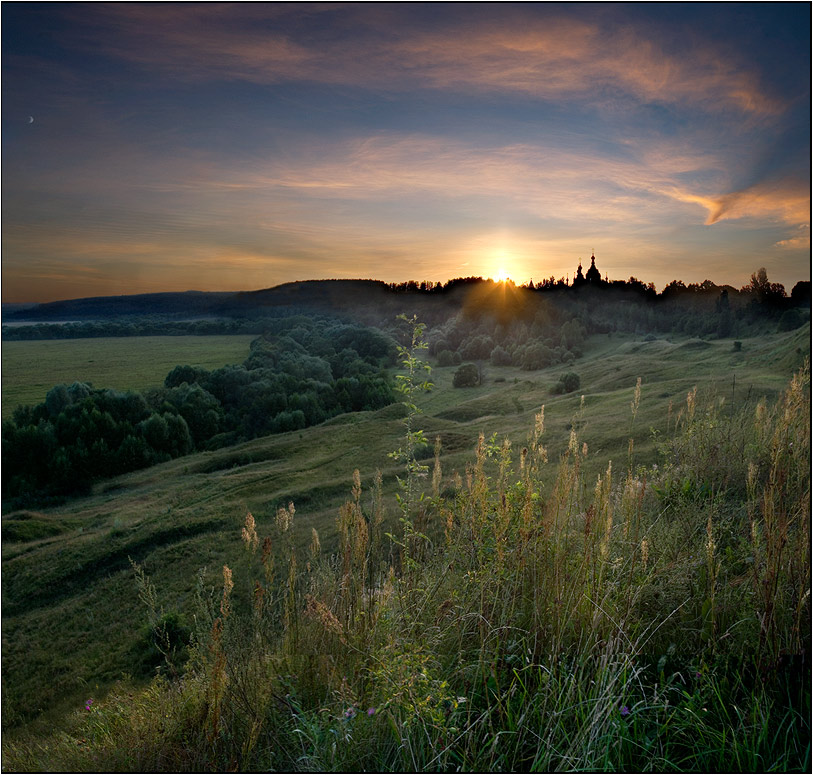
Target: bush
(446,358)
(791,319)
(163,645)
(737,346)
(568,383)
(438,346)
(535,356)
(468,375)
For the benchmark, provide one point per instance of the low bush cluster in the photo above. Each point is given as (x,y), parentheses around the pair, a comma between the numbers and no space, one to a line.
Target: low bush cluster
(531,342)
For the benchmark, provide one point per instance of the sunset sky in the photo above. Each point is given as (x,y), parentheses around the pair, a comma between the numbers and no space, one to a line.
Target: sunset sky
(162,147)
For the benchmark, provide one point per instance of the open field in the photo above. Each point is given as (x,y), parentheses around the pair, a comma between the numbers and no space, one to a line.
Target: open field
(31,369)
(71,616)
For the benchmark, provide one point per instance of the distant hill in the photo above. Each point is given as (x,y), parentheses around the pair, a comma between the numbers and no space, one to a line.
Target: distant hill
(317,295)
(186,304)
(324,294)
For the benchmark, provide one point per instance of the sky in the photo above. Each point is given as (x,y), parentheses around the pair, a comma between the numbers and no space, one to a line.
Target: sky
(205,146)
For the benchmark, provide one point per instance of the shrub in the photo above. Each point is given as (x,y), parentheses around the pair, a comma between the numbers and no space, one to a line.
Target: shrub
(468,375)
(163,645)
(737,346)
(790,320)
(568,382)
(438,346)
(446,358)
(535,355)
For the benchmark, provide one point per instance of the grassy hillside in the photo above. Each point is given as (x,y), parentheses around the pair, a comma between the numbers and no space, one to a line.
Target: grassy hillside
(31,369)
(72,621)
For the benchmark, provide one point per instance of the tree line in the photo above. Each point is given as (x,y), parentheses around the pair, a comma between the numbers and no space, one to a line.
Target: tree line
(303,373)
(624,305)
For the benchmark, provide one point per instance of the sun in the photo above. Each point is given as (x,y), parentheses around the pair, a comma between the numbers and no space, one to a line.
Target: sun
(502,275)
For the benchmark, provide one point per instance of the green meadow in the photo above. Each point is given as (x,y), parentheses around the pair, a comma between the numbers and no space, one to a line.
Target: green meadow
(32,368)
(77,624)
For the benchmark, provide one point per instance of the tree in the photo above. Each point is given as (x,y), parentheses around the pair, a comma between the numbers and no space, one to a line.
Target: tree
(476,347)
(800,295)
(445,358)
(188,374)
(767,293)
(535,355)
(500,356)
(468,375)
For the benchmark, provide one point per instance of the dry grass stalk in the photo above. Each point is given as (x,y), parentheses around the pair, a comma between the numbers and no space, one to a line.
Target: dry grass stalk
(228,585)
(437,472)
(249,534)
(285,518)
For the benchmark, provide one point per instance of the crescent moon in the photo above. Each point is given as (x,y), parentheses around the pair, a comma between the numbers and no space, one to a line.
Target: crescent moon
(30,119)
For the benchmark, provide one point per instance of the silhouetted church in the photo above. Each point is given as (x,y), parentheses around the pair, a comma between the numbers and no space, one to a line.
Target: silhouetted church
(593,276)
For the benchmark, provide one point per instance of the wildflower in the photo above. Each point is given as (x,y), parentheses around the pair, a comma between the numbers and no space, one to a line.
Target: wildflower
(350,713)
(88,704)
(625,711)
(370,711)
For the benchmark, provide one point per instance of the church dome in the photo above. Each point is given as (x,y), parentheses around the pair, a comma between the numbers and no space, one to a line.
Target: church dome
(593,275)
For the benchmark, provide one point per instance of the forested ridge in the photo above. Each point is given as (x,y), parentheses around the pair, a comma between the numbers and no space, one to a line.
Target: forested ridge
(695,308)
(307,367)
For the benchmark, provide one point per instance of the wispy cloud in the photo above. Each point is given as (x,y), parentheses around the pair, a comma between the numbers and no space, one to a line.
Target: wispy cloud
(565,184)
(800,241)
(783,202)
(547,53)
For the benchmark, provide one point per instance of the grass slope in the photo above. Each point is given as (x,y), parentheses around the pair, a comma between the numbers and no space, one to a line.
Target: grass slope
(71,617)
(31,369)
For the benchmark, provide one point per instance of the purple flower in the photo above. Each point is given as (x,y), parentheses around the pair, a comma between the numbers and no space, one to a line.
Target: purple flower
(625,711)
(88,704)
(350,712)
(370,711)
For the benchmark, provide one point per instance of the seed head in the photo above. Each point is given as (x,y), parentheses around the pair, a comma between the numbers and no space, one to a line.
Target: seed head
(249,533)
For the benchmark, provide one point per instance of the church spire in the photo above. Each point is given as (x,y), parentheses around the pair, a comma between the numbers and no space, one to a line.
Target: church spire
(593,275)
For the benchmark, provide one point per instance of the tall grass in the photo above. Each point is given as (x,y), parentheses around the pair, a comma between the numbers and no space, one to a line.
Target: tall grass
(656,619)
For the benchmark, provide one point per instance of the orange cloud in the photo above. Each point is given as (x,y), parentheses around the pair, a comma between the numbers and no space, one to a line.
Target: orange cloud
(779,201)
(533,179)
(800,242)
